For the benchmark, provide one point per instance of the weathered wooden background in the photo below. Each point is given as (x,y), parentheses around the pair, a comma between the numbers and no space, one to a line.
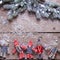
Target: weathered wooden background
(25,27)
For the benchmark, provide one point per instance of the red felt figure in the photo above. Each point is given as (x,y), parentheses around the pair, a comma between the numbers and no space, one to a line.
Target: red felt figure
(29,50)
(21,55)
(18,49)
(16,43)
(39,49)
(29,56)
(30,43)
(16,46)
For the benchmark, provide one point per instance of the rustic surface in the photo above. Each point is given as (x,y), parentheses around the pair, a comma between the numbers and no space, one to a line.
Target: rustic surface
(28,23)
